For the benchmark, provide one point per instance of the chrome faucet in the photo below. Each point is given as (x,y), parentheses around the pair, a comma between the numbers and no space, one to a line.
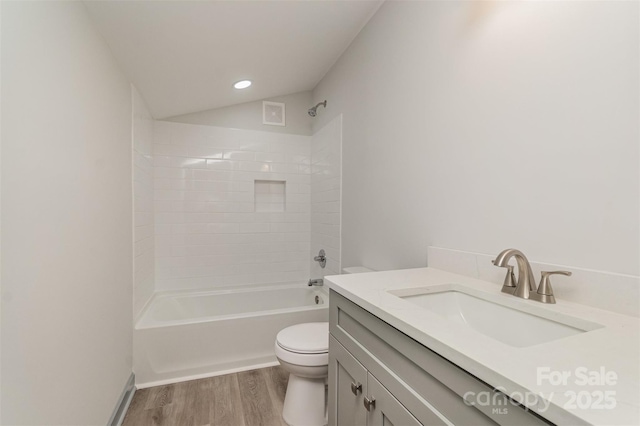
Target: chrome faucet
(318,282)
(524,285)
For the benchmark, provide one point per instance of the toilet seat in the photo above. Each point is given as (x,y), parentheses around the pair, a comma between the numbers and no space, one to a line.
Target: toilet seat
(304,344)
(307,338)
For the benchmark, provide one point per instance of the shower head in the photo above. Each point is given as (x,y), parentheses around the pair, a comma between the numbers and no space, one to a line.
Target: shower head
(312,111)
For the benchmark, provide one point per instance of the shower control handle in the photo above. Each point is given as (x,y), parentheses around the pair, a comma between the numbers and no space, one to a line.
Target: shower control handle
(321,258)
(369,403)
(356,387)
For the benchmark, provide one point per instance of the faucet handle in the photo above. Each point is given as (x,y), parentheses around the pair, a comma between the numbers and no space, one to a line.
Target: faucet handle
(321,258)
(545,291)
(509,285)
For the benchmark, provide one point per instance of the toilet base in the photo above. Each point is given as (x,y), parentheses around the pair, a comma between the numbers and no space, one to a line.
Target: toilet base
(305,402)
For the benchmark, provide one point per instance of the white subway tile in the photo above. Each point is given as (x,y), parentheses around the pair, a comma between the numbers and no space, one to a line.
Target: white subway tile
(254,166)
(284,168)
(166,194)
(270,157)
(171,173)
(160,183)
(205,151)
(216,233)
(168,150)
(223,228)
(211,174)
(239,155)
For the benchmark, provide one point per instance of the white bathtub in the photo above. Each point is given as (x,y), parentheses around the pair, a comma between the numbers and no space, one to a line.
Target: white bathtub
(189,335)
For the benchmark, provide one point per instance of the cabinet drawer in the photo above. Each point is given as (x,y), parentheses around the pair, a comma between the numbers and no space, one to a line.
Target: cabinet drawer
(401,363)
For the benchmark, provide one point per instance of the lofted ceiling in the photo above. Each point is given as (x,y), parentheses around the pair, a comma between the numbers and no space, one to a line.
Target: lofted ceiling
(184,56)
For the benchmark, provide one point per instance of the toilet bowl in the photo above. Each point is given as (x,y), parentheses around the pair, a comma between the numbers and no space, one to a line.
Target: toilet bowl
(303,350)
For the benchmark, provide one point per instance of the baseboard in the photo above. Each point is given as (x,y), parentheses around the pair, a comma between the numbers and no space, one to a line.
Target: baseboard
(123,402)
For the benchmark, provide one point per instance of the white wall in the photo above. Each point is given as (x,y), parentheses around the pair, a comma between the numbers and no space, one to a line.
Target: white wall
(248,115)
(0,211)
(326,168)
(485,125)
(143,219)
(207,230)
(66,218)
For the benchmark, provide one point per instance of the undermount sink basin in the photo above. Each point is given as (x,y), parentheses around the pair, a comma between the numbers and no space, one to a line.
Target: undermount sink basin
(506,324)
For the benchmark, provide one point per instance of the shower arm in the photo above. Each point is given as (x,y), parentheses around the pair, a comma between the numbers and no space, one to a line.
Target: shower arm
(313,110)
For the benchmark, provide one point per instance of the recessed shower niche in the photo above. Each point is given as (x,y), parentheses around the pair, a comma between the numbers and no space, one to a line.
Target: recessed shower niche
(270,195)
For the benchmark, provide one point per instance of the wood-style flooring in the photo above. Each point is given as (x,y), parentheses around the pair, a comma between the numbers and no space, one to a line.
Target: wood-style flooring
(249,398)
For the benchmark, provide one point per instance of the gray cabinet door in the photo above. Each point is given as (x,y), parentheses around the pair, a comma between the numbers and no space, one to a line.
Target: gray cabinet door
(347,387)
(385,410)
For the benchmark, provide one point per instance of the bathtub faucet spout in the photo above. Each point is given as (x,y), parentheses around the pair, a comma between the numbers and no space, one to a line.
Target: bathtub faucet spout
(317,282)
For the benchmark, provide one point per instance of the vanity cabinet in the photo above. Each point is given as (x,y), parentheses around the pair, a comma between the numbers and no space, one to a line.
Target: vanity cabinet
(353,384)
(380,376)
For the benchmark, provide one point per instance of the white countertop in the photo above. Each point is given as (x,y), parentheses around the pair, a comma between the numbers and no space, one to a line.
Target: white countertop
(614,348)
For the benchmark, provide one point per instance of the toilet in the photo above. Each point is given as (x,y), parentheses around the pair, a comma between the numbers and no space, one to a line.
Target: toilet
(303,350)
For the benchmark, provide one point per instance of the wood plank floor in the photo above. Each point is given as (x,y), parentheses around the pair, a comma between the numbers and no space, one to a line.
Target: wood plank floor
(249,398)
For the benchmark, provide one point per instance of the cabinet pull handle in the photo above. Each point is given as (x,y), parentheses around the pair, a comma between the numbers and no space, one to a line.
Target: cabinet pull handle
(369,403)
(356,387)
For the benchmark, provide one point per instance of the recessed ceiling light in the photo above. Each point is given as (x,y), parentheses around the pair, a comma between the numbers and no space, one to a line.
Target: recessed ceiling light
(242,84)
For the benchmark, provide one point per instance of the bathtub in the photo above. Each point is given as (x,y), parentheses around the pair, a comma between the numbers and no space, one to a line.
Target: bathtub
(191,335)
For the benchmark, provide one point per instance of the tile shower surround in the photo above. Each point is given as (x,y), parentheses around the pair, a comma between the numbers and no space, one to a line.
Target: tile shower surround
(326,178)
(144,240)
(207,232)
